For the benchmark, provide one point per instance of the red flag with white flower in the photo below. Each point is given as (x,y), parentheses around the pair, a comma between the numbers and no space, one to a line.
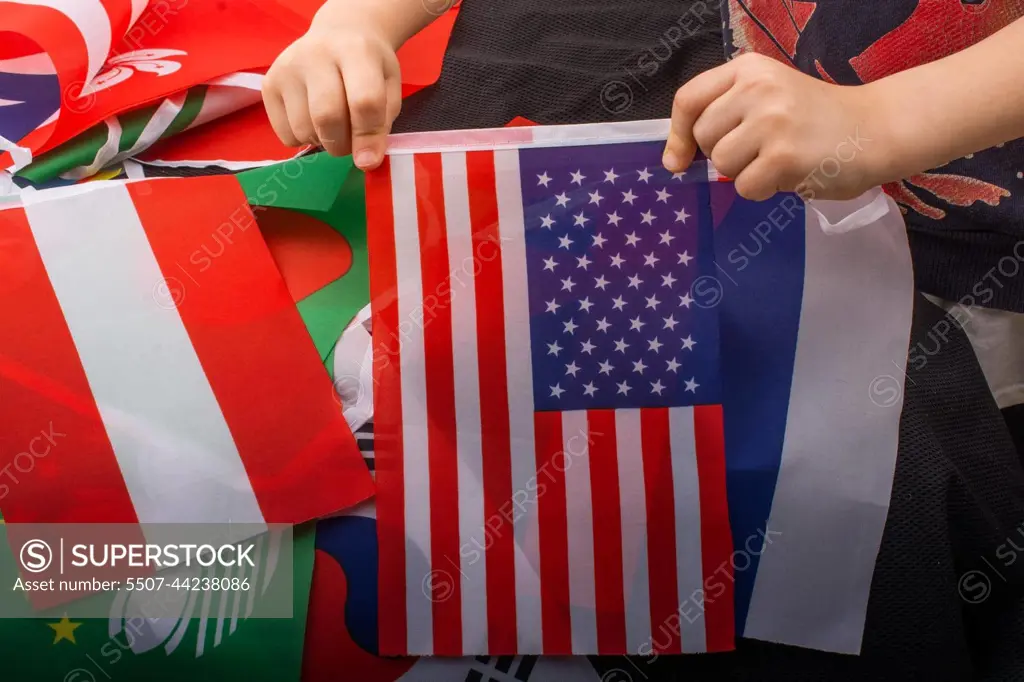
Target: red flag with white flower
(115,55)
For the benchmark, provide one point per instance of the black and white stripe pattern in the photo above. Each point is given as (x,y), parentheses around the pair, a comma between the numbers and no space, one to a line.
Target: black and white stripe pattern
(364,439)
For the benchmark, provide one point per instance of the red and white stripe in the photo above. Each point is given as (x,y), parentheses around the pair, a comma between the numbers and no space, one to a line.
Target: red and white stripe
(504,531)
(79,35)
(148,324)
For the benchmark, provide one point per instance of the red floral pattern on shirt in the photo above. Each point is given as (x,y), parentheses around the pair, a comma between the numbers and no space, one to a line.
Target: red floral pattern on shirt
(933,29)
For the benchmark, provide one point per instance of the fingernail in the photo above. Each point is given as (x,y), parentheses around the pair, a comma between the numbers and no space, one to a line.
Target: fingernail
(365,158)
(670,161)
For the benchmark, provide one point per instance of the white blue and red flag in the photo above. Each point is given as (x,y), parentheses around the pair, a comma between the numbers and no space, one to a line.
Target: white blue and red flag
(548,425)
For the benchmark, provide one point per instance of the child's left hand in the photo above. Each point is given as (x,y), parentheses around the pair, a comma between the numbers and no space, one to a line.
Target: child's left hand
(774,129)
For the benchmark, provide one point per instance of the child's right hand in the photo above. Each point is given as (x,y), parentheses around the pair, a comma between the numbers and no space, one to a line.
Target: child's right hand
(337,86)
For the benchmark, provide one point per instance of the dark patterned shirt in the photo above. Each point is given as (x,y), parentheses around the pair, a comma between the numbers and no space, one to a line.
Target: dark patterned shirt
(967,217)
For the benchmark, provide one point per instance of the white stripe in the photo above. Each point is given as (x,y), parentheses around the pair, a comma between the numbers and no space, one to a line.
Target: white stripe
(251,601)
(636,588)
(92,21)
(182,626)
(154,129)
(38,64)
(420,634)
(138,6)
(176,454)
(204,614)
(240,79)
(689,558)
(472,530)
(504,139)
(221,101)
(20,156)
(236,603)
(842,430)
(222,609)
(134,170)
(579,516)
(520,398)
(106,152)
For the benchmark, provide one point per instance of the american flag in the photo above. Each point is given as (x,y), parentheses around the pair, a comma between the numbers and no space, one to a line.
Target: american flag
(548,433)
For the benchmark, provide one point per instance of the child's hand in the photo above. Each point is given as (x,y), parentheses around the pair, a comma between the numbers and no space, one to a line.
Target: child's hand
(772,128)
(338,86)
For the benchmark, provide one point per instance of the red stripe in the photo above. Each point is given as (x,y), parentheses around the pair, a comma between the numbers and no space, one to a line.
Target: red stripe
(439,364)
(387,412)
(661,529)
(56,34)
(608,580)
(278,402)
(553,531)
(500,508)
(56,463)
(715,531)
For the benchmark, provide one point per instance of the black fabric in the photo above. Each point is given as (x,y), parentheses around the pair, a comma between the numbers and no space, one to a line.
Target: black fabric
(958,494)
(969,262)
(1015,423)
(184,171)
(566,61)
(580,61)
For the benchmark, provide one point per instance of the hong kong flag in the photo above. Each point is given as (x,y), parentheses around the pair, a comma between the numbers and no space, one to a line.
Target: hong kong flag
(115,55)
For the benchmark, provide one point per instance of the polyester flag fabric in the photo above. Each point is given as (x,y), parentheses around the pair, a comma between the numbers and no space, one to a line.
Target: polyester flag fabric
(175,45)
(216,635)
(246,139)
(341,634)
(124,136)
(815,332)
(78,34)
(181,378)
(548,429)
(29,95)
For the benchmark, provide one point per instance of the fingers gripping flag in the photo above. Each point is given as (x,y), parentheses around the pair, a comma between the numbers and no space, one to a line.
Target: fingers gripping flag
(548,429)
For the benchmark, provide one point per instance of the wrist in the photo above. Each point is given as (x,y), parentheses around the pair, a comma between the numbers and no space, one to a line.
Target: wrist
(394,25)
(889,145)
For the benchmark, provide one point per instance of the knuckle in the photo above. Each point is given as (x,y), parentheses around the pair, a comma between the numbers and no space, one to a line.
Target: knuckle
(326,114)
(752,190)
(679,99)
(722,161)
(784,156)
(367,105)
(303,130)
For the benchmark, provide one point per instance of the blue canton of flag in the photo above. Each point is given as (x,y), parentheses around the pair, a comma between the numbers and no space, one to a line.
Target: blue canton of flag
(614,245)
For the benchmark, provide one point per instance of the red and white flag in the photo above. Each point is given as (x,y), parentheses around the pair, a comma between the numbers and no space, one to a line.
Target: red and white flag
(548,428)
(114,55)
(154,369)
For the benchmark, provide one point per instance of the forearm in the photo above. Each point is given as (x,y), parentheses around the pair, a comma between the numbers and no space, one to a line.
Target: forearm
(964,103)
(398,20)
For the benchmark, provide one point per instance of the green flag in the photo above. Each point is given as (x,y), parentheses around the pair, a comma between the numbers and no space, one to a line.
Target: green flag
(221,641)
(330,190)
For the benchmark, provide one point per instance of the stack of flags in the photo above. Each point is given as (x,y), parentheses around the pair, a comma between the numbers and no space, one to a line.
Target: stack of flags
(165,83)
(287,341)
